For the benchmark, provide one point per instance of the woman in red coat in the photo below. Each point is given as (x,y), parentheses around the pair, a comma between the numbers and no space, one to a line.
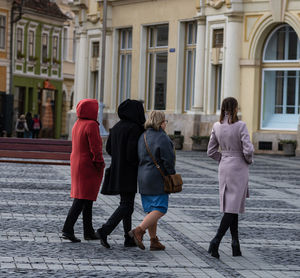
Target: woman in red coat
(87,167)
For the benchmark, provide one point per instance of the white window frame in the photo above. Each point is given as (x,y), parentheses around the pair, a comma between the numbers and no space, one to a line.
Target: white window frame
(126,53)
(65,44)
(48,50)
(150,88)
(280,61)
(282,119)
(5,31)
(189,48)
(33,43)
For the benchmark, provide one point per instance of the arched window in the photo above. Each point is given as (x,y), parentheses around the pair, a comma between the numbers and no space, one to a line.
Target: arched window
(281,80)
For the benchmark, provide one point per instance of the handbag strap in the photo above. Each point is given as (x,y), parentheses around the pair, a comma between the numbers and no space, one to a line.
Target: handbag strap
(152,157)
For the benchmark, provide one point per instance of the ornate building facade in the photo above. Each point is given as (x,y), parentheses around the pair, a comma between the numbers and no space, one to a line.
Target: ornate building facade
(185,57)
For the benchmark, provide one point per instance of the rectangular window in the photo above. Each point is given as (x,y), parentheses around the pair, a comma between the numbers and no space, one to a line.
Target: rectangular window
(95,83)
(66,45)
(125,60)
(44,47)
(157,52)
(31,44)
(2,31)
(55,48)
(190,62)
(20,40)
(95,49)
(281,93)
(218,38)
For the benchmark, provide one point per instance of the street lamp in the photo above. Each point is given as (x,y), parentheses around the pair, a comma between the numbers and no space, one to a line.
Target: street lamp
(103,132)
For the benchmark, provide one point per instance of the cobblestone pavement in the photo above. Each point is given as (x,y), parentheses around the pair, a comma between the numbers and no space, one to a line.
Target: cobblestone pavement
(34,201)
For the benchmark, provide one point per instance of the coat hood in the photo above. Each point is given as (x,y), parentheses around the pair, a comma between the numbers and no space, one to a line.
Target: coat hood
(87,109)
(132,110)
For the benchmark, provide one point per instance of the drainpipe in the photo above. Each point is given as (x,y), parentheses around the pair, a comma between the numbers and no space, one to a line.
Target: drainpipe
(18,8)
(103,132)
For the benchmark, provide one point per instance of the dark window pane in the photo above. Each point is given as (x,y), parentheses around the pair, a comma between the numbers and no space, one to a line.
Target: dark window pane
(162,35)
(293,40)
(279,92)
(218,38)
(161,81)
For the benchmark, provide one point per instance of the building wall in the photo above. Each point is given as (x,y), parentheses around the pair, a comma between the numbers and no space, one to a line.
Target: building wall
(4,53)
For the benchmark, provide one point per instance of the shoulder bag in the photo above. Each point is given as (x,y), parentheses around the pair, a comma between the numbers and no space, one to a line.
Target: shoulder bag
(172,183)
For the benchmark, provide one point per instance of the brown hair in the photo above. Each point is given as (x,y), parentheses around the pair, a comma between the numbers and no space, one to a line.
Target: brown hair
(229,107)
(155,119)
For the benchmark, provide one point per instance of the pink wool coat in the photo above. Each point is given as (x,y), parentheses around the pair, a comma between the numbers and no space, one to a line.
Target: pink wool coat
(230,145)
(87,162)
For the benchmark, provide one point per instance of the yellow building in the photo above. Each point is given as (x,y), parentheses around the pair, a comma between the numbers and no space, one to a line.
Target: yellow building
(185,57)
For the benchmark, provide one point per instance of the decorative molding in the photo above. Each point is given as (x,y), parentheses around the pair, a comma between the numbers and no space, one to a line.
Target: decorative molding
(201,20)
(250,23)
(228,3)
(235,17)
(93,18)
(216,4)
(278,8)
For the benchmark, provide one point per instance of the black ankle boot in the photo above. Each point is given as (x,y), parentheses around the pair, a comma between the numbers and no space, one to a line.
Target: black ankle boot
(214,247)
(129,241)
(236,251)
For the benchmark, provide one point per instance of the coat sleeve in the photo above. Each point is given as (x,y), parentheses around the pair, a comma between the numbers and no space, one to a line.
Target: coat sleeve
(95,145)
(213,147)
(132,146)
(108,144)
(247,146)
(167,156)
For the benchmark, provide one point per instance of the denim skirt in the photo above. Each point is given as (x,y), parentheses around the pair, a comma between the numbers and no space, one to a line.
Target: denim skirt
(155,202)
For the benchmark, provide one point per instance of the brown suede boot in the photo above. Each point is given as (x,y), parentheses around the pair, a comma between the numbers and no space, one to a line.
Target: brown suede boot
(137,235)
(155,245)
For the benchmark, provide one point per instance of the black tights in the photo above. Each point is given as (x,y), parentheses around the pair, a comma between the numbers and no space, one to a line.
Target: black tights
(229,220)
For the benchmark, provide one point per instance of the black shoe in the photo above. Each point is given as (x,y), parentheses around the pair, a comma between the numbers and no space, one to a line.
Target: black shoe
(71,237)
(129,241)
(103,238)
(214,248)
(94,236)
(236,250)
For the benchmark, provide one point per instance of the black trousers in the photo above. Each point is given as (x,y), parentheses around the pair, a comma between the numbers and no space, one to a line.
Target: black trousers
(78,206)
(229,220)
(123,212)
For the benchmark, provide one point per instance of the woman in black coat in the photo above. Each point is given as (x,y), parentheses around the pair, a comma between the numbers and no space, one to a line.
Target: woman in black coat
(121,176)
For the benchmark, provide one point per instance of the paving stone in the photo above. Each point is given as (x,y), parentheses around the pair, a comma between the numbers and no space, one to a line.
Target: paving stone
(33,209)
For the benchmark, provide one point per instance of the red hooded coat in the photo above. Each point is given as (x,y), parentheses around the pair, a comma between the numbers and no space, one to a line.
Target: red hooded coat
(87,162)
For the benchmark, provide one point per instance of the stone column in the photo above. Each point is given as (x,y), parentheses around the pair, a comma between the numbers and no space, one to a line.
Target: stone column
(233,44)
(200,65)
(81,69)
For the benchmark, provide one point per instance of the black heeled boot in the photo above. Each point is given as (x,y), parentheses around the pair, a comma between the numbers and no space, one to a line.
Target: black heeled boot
(214,247)
(236,250)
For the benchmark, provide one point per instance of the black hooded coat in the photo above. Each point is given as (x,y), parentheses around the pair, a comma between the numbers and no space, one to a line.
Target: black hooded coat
(121,176)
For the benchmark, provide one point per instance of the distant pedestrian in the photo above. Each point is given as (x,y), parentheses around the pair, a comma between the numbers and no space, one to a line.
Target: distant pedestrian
(36,127)
(151,184)
(230,136)
(121,178)
(29,122)
(21,126)
(87,167)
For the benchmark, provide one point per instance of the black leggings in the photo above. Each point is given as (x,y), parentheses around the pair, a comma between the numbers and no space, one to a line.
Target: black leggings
(123,212)
(229,220)
(78,206)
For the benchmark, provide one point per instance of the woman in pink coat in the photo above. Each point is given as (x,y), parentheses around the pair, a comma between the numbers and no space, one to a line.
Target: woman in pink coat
(230,145)
(87,167)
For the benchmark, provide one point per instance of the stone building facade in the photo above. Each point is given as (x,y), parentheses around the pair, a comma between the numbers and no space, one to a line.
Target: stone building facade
(185,57)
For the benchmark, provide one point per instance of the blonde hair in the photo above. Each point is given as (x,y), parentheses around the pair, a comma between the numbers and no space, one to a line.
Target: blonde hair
(155,119)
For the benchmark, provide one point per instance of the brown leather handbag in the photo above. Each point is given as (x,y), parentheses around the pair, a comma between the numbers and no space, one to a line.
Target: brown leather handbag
(172,183)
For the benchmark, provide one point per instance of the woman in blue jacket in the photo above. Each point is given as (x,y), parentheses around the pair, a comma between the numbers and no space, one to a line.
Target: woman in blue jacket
(150,180)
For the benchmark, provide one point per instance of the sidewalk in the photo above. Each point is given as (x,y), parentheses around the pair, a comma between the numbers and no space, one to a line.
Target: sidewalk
(34,201)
